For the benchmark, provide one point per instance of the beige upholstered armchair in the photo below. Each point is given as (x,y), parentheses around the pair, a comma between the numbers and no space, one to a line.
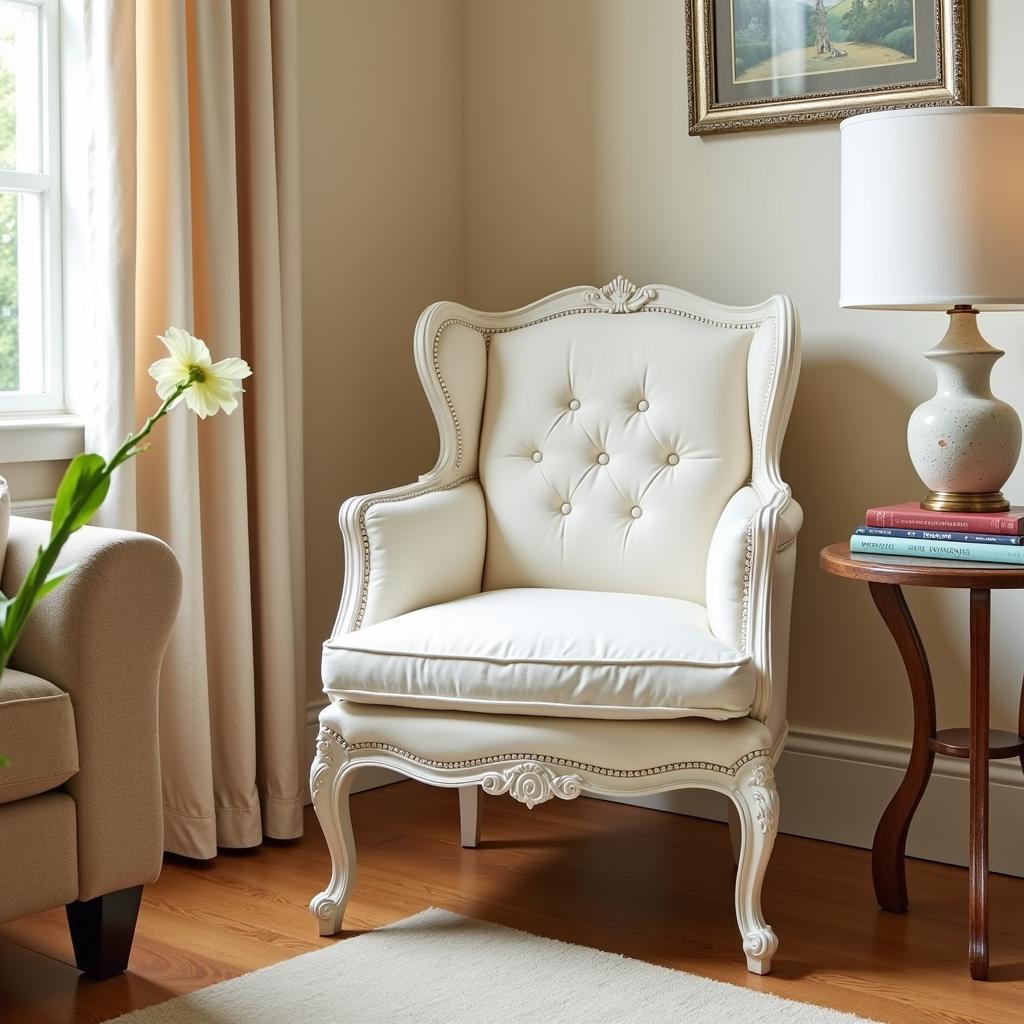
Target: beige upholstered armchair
(80,804)
(590,592)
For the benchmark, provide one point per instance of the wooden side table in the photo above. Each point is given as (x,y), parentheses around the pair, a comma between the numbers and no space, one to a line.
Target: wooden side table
(979,743)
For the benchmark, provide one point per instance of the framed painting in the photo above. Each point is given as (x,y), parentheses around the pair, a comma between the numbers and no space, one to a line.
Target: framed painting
(765,63)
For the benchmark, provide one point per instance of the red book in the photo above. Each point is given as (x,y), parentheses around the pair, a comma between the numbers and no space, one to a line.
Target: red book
(910,516)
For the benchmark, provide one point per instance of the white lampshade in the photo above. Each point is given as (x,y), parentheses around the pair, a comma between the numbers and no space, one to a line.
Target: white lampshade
(933,208)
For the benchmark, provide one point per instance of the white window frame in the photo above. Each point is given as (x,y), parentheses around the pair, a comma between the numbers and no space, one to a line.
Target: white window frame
(47,185)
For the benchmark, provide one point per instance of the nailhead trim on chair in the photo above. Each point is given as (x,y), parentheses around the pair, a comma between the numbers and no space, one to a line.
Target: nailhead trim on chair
(560,761)
(759,447)
(748,567)
(435,358)
(742,325)
(365,537)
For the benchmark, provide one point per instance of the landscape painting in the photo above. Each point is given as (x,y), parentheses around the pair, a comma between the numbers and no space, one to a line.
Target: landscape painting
(785,38)
(761,63)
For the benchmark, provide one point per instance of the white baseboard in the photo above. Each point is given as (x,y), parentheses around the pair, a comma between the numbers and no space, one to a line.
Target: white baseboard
(835,787)
(40,508)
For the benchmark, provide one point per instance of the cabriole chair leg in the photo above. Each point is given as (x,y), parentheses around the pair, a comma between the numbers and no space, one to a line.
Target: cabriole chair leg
(330,782)
(757,803)
(332,810)
(102,930)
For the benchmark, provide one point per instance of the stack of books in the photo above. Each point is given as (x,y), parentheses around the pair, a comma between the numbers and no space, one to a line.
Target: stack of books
(910,531)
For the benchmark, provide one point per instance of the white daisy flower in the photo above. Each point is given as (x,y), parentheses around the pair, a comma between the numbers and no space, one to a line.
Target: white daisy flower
(211,386)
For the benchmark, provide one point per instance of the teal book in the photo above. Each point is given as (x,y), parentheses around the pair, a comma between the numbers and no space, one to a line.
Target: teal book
(904,546)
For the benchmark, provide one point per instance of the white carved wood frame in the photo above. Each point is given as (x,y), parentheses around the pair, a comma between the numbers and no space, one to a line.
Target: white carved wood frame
(533,780)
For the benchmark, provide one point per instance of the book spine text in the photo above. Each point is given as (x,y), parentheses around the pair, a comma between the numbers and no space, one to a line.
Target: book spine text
(1004,554)
(926,521)
(958,538)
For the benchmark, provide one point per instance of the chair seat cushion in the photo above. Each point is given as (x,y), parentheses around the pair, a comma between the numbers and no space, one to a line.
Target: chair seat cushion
(531,651)
(37,736)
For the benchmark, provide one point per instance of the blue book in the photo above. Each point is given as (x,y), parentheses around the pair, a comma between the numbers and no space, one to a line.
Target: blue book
(957,538)
(904,546)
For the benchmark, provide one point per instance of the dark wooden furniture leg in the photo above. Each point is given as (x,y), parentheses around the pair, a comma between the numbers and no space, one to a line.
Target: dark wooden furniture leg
(1020,722)
(889,848)
(980,648)
(102,930)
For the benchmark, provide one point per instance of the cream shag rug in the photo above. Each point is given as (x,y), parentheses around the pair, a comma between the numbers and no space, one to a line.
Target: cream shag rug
(440,967)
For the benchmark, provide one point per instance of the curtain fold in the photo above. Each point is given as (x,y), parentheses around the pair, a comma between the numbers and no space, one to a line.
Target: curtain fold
(209,192)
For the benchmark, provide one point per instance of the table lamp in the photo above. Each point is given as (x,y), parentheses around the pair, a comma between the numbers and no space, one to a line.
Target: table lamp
(933,218)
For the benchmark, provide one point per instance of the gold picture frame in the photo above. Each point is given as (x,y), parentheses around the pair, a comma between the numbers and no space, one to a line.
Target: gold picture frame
(738,83)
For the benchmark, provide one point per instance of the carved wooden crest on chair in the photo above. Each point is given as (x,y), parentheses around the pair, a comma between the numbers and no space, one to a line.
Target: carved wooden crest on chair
(621,296)
(590,591)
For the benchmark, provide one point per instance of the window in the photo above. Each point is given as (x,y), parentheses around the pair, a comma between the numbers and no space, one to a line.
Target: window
(30,203)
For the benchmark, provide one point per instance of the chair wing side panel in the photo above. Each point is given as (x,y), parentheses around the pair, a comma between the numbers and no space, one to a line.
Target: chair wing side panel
(409,548)
(773,369)
(424,542)
(729,564)
(751,561)
(451,358)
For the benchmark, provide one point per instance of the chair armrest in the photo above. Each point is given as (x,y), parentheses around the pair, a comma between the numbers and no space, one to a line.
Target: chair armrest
(100,636)
(410,547)
(749,589)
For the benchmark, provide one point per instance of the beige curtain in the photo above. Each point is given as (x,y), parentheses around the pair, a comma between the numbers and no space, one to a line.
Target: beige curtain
(192,198)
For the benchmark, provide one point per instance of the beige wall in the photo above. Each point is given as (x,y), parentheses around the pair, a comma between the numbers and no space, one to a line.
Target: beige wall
(33,481)
(578,167)
(381,239)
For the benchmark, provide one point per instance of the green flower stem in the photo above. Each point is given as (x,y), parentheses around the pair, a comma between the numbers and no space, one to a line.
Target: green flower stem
(31,591)
(127,450)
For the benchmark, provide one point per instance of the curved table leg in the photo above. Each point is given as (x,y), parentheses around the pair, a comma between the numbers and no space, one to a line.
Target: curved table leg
(1020,721)
(889,848)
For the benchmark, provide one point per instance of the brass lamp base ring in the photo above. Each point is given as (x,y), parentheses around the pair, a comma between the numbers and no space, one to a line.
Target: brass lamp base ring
(967,501)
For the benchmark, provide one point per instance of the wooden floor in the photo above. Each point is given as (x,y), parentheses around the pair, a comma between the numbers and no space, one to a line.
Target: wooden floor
(647,884)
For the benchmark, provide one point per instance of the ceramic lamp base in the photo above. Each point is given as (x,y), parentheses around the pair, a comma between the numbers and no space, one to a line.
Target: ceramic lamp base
(964,442)
(950,501)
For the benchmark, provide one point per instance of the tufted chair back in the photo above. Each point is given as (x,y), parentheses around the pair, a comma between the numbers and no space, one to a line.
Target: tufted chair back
(609,448)
(609,429)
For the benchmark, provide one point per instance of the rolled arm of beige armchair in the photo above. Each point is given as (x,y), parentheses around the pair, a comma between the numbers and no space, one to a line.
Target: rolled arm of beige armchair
(101,636)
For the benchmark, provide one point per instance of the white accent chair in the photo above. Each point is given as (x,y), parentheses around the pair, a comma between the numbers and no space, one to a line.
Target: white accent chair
(590,592)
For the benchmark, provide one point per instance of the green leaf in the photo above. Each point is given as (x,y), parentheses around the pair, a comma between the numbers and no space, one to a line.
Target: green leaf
(83,489)
(54,580)
(3,761)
